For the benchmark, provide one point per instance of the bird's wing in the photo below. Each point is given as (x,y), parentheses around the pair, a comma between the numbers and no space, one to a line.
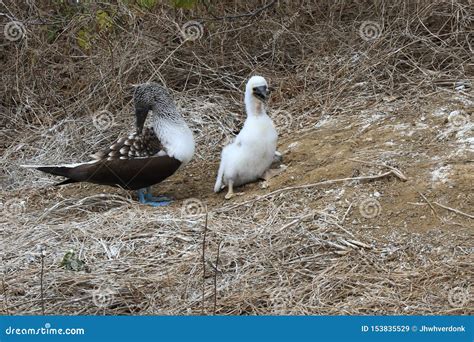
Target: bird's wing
(132,162)
(134,146)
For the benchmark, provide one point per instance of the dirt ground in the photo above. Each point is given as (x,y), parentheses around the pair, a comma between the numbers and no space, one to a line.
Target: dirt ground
(427,248)
(434,152)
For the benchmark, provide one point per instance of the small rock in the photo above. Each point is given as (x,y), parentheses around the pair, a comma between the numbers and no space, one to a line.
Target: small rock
(293,145)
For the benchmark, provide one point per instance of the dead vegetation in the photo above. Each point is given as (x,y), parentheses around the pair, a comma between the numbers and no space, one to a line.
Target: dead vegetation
(361,90)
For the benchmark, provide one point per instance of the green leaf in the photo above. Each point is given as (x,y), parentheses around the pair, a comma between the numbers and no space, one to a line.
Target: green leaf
(147,4)
(84,39)
(103,20)
(71,262)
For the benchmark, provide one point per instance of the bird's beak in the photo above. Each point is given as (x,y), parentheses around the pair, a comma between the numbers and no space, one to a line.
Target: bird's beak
(140,115)
(261,93)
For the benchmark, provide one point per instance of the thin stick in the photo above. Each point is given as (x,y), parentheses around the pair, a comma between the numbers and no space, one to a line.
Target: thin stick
(5,298)
(347,212)
(41,283)
(215,277)
(398,173)
(341,228)
(204,265)
(429,203)
(306,186)
(292,223)
(454,210)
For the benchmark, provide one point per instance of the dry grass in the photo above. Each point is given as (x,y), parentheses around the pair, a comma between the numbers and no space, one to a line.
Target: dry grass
(286,252)
(278,256)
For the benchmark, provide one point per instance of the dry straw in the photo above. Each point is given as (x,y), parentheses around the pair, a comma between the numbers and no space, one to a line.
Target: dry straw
(274,254)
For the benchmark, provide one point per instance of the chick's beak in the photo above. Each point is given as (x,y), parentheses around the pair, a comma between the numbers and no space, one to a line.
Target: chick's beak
(261,93)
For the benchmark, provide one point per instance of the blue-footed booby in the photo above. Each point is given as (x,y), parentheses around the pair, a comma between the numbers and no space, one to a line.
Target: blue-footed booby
(142,159)
(250,155)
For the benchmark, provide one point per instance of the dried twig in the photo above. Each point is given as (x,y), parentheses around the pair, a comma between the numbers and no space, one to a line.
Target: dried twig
(41,283)
(216,271)
(396,171)
(307,186)
(459,212)
(346,213)
(204,265)
(5,295)
(429,203)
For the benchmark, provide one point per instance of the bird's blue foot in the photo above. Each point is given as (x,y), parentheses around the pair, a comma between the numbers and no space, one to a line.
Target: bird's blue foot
(148,199)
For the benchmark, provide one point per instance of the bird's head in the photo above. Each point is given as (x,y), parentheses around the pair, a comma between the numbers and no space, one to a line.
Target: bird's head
(257,87)
(152,97)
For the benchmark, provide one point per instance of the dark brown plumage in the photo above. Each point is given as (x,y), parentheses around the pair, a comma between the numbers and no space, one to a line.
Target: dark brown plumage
(146,144)
(133,175)
(142,169)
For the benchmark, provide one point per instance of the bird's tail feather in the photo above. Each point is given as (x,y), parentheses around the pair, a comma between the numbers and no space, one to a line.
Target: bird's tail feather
(220,174)
(57,170)
(67,181)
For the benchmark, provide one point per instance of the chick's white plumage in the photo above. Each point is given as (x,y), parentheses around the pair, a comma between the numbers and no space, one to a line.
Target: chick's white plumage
(247,158)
